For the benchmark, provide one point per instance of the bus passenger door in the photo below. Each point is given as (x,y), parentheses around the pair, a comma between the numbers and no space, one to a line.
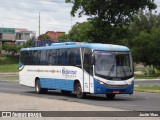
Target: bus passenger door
(87,68)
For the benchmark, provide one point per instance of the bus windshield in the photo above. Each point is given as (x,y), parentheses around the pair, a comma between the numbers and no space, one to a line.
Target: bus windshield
(112,65)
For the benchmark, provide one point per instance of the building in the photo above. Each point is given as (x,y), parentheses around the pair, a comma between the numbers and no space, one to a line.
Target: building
(7,34)
(15,35)
(53,35)
(22,35)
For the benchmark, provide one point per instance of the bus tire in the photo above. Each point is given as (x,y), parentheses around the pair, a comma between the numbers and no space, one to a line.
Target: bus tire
(38,88)
(110,96)
(79,92)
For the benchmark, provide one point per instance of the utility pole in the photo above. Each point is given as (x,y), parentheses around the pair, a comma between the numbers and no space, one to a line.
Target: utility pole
(0,46)
(39,24)
(71,21)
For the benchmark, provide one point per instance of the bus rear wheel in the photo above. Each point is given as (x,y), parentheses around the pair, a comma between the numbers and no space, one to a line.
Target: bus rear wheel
(38,88)
(79,92)
(110,96)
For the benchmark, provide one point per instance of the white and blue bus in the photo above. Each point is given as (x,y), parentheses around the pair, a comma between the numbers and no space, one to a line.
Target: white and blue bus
(86,68)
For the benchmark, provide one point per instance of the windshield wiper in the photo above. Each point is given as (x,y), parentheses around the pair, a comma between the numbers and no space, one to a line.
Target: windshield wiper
(123,71)
(112,68)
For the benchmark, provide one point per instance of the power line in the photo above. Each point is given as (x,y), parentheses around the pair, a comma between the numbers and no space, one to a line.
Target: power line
(46,25)
(29,9)
(33,20)
(7,18)
(46,2)
(42,22)
(49,1)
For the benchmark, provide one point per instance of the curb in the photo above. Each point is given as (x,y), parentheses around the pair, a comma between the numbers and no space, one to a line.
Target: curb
(9,81)
(12,73)
(147,79)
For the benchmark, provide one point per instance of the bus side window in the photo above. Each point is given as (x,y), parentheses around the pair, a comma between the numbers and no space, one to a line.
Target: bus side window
(22,57)
(78,58)
(63,57)
(74,57)
(38,57)
(54,57)
(34,57)
(50,57)
(43,58)
(28,58)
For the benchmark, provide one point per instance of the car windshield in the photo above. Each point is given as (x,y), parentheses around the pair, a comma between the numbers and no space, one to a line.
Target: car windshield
(113,64)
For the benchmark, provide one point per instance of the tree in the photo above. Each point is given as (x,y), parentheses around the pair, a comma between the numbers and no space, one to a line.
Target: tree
(108,16)
(144,22)
(63,36)
(145,38)
(155,42)
(141,48)
(146,48)
(80,32)
(13,48)
(43,37)
(29,43)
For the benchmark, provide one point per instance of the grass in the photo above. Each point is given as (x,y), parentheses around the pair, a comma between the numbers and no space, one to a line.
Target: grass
(9,68)
(153,89)
(140,69)
(144,77)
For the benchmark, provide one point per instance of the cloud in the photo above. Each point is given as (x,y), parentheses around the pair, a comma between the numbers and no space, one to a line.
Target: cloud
(54,15)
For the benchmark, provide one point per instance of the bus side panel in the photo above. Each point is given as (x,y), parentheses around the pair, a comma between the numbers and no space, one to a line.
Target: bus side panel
(26,78)
(59,84)
(52,77)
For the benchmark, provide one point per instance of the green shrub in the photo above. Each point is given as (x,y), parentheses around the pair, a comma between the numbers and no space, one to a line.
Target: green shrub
(151,72)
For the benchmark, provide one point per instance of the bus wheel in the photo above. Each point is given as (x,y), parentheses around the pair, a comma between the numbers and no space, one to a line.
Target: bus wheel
(110,96)
(38,88)
(79,92)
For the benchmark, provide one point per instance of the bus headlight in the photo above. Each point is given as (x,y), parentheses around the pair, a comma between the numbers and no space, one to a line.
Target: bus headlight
(100,82)
(130,83)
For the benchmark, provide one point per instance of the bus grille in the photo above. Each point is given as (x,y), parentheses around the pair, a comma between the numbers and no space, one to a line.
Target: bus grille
(116,86)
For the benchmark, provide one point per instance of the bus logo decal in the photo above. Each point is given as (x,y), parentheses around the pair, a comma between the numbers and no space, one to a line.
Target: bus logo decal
(66,72)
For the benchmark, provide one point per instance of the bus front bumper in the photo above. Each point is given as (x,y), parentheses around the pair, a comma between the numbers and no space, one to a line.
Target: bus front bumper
(113,89)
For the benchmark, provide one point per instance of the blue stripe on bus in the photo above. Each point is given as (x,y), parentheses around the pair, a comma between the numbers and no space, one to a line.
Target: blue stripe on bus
(103,89)
(94,46)
(59,84)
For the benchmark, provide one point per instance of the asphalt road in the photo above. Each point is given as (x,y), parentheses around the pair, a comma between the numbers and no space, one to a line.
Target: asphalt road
(147,82)
(139,101)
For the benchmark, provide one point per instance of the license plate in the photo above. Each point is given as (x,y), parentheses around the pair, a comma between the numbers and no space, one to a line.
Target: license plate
(115,91)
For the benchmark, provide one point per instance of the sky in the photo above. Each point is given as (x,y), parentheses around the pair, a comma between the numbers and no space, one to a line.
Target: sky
(54,15)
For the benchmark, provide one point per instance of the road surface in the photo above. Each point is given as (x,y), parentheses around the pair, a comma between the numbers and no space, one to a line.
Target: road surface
(139,101)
